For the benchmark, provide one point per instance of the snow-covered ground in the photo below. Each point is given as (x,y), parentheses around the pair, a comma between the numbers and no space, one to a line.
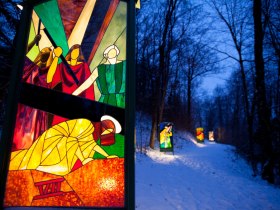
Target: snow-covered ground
(207,176)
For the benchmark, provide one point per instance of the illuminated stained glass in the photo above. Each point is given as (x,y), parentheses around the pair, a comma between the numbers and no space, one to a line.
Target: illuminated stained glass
(86,41)
(166,136)
(67,163)
(69,150)
(200,134)
(211,136)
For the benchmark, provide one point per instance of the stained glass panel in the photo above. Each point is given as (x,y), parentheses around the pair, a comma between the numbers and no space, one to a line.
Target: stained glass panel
(82,49)
(200,134)
(67,163)
(166,136)
(68,144)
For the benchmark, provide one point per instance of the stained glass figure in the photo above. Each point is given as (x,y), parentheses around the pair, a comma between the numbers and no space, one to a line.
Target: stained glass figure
(93,27)
(166,136)
(200,135)
(110,77)
(211,136)
(49,170)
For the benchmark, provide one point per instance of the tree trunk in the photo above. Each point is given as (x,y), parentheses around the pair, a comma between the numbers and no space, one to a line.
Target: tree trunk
(163,73)
(249,115)
(153,130)
(278,90)
(263,112)
(189,114)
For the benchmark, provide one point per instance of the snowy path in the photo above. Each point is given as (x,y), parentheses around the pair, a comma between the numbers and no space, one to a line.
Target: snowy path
(200,177)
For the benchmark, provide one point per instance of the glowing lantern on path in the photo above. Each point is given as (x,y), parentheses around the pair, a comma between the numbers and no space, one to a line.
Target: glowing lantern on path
(166,137)
(211,135)
(199,134)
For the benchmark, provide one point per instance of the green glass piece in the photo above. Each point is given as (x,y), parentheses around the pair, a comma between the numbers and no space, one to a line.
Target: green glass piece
(49,14)
(35,49)
(115,149)
(111,83)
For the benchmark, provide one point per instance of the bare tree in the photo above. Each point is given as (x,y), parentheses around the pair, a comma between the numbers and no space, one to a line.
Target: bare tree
(199,61)
(9,19)
(263,112)
(173,52)
(164,50)
(271,28)
(236,15)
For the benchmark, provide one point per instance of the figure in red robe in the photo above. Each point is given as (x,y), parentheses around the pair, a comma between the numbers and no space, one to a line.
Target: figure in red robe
(30,122)
(58,73)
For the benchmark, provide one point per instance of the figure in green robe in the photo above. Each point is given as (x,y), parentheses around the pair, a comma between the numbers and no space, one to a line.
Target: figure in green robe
(110,79)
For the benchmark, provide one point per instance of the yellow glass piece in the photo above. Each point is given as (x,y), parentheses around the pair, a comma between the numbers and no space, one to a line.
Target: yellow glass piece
(75,54)
(58,148)
(107,131)
(137,5)
(79,30)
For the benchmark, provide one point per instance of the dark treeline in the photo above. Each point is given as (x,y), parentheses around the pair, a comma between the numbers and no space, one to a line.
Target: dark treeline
(172,57)
(9,20)
(179,42)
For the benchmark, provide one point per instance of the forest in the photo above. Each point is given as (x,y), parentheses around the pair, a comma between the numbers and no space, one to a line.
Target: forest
(178,44)
(181,42)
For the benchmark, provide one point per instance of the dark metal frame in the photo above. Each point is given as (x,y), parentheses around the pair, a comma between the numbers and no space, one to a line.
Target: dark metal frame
(25,93)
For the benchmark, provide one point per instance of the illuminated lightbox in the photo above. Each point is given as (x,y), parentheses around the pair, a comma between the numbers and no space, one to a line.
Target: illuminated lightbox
(65,164)
(211,136)
(200,134)
(69,145)
(166,137)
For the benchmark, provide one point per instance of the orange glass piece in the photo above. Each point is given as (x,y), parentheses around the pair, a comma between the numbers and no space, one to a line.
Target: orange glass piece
(100,183)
